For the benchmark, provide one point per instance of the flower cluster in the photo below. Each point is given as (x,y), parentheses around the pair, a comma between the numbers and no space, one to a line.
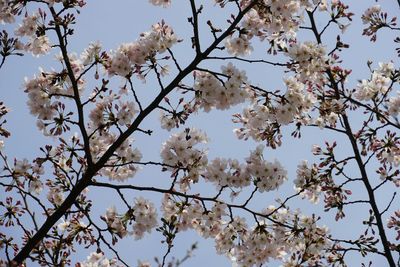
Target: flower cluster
(312,242)
(227,172)
(246,246)
(107,112)
(46,93)
(55,196)
(210,222)
(255,246)
(23,168)
(144,264)
(96,259)
(259,245)
(115,222)
(297,102)
(145,216)
(307,182)
(311,62)
(369,89)
(268,175)
(261,121)
(179,152)
(121,165)
(28,26)
(130,55)
(274,20)
(163,3)
(211,92)
(390,155)
(7,11)
(91,53)
(394,105)
(239,46)
(38,43)
(255,120)
(183,212)
(39,91)
(282,16)
(225,239)
(192,215)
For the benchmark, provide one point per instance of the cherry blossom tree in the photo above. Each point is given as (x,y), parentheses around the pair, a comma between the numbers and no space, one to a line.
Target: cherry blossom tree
(91,107)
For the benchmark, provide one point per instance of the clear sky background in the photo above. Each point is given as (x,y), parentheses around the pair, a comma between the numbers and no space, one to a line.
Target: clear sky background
(118,21)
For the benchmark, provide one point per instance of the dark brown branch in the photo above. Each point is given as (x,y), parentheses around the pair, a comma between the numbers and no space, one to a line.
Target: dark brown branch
(74,82)
(174,59)
(390,203)
(195,24)
(134,94)
(254,61)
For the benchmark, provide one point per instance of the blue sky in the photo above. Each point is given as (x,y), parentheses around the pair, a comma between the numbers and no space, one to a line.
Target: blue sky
(121,21)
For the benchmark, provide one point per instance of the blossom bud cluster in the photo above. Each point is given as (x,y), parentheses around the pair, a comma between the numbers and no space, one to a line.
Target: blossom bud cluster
(371,14)
(129,55)
(394,222)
